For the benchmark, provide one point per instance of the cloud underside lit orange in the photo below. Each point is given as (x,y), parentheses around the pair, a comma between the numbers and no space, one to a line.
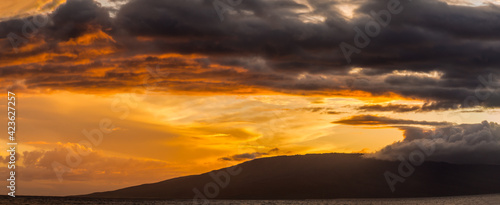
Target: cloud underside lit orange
(94,63)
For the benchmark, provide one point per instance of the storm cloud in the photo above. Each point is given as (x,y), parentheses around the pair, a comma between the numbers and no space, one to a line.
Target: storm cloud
(431,51)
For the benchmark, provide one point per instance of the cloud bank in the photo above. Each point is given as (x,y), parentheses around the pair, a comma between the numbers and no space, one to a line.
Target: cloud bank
(431,51)
(463,144)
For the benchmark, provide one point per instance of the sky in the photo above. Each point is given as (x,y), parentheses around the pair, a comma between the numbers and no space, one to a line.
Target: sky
(119,93)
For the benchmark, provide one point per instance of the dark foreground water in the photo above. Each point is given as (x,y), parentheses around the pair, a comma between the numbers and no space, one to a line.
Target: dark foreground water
(465,200)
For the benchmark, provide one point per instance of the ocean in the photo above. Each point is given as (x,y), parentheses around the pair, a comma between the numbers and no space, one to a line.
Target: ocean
(465,200)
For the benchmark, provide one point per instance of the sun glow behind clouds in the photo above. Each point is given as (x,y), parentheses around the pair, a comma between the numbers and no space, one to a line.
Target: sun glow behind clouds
(307,18)
(355,70)
(347,10)
(432,74)
(471,2)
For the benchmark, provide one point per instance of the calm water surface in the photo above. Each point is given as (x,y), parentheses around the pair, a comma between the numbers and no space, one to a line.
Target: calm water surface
(466,200)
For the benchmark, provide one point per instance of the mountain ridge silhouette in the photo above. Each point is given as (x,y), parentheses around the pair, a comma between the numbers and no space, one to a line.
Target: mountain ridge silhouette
(320,176)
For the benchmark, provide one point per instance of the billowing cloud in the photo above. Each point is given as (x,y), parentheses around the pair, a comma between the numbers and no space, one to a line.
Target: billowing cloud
(466,144)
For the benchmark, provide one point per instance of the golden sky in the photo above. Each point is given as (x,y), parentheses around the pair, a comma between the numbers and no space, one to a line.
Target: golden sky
(180,104)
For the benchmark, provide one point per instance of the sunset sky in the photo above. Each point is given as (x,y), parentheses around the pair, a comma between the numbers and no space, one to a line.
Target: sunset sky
(187,93)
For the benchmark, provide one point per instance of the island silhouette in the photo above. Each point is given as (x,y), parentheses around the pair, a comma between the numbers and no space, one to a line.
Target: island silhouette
(320,176)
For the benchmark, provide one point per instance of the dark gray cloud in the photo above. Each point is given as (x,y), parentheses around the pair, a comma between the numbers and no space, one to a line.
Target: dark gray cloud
(276,45)
(379,120)
(429,106)
(247,156)
(466,144)
(77,17)
(244,156)
(70,20)
(390,108)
